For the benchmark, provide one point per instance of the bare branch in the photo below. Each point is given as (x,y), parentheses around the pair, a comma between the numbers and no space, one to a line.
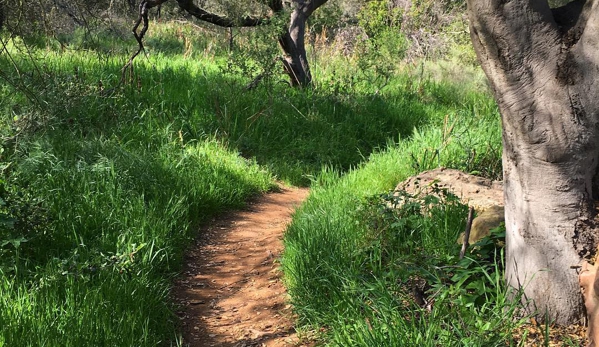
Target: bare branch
(313,5)
(191,8)
(215,19)
(144,7)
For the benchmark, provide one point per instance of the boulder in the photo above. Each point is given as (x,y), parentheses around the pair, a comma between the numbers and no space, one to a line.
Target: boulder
(484,195)
(484,222)
(475,191)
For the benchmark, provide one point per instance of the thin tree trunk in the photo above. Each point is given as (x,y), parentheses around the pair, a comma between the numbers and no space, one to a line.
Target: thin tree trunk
(543,71)
(292,42)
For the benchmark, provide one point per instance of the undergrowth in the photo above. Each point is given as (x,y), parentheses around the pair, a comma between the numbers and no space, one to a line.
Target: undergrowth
(102,189)
(371,268)
(389,274)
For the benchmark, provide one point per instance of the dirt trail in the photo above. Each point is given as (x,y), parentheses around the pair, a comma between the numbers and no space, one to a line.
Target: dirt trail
(231,290)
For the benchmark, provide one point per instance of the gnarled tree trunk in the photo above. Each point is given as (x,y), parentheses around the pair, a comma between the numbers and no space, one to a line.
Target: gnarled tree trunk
(293,40)
(293,44)
(544,71)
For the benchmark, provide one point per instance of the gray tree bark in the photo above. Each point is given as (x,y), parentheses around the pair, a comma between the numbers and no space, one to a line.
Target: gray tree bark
(543,66)
(293,44)
(292,41)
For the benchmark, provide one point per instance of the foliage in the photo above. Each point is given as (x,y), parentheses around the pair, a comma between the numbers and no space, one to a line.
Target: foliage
(328,17)
(255,53)
(57,17)
(372,274)
(385,43)
(439,29)
(408,234)
(558,3)
(379,16)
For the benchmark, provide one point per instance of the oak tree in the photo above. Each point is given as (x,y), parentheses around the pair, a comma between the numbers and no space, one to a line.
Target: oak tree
(543,67)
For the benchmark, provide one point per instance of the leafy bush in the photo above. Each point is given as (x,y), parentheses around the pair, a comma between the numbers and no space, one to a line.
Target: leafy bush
(406,229)
(378,16)
(328,18)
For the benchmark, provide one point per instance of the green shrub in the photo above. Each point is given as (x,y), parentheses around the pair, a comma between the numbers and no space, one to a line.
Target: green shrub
(378,16)
(370,274)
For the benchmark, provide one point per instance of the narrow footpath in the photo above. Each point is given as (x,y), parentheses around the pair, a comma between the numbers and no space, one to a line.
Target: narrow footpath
(231,291)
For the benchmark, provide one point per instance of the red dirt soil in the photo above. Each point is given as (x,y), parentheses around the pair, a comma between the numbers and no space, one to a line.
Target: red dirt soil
(230,291)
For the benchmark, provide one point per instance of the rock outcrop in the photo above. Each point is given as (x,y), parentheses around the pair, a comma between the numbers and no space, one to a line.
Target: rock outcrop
(478,192)
(484,195)
(484,222)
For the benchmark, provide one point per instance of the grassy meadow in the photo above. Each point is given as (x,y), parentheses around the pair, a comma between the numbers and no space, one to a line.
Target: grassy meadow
(104,184)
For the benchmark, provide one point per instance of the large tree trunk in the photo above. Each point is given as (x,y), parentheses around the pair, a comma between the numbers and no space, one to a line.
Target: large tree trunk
(543,68)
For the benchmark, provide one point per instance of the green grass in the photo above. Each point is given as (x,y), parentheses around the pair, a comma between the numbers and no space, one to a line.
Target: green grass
(104,185)
(101,193)
(349,258)
(95,268)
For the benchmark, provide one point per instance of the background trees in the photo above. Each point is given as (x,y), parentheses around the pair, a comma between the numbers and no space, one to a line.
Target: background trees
(429,26)
(388,276)
(55,17)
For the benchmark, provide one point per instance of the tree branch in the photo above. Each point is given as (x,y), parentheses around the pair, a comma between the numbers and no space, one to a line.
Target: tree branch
(144,7)
(276,5)
(215,19)
(69,13)
(191,8)
(313,5)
